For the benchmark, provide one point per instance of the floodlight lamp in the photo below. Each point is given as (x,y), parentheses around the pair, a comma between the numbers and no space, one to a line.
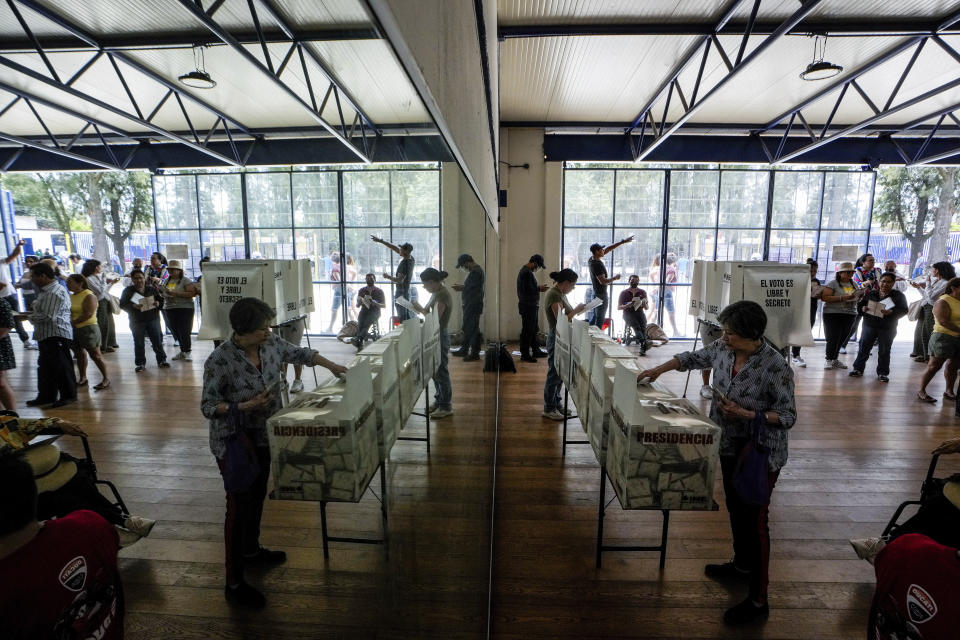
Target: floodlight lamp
(820,69)
(198,78)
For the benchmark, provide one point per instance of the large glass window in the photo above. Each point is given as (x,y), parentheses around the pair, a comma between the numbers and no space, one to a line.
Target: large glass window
(299,215)
(712,214)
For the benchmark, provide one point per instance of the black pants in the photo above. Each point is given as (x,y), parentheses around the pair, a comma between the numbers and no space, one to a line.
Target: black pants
(55,376)
(471,329)
(637,322)
(365,319)
(181,324)
(836,328)
(750,526)
(241,528)
(529,318)
(884,340)
(14,306)
(150,329)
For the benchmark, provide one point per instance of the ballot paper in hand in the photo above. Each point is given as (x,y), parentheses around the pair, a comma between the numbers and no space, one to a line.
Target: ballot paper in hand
(638,303)
(593,304)
(367,301)
(406,304)
(888,303)
(875,308)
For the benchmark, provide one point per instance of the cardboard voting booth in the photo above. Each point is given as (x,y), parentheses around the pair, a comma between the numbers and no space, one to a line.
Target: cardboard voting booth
(430,339)
(605,359)
(409,350)
(324,445)
(583,367)
(662,453)
(561,349)
(382,358)
(285,285)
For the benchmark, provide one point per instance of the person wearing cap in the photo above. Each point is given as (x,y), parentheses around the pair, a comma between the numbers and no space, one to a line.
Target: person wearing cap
(442,301)
(599,279)
(528,303)
(178,293)
(840,297)
(401,281)
(471,301)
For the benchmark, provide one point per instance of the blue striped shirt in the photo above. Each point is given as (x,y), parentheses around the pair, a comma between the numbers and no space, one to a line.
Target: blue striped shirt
(50,315)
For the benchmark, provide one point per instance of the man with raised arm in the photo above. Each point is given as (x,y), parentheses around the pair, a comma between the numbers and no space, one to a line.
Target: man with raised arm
(401,281)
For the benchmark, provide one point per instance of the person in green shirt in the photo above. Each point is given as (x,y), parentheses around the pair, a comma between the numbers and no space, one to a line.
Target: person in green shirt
(440,299)
(555,302)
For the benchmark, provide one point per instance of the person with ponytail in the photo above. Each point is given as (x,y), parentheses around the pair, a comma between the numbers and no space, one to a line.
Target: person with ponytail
(556,301)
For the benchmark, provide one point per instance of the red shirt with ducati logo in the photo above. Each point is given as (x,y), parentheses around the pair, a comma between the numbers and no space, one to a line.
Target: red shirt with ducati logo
(64,583)
(918,589)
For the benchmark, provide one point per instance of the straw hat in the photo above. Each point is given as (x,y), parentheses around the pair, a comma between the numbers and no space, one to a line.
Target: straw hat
(845,266)
(48,470)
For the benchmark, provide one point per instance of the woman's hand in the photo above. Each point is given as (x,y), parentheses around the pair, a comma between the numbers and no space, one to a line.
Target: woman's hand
(579,309)
(648,375)
(731,409)
(948,446)
(336,369)
(260,401)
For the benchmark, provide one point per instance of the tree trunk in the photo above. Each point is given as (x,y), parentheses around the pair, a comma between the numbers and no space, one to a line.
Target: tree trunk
(918,238)
(94,206)
(118,236)
(945,210)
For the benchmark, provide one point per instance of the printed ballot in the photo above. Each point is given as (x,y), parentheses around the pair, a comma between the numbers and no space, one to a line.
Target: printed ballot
(406,304)
(593,304)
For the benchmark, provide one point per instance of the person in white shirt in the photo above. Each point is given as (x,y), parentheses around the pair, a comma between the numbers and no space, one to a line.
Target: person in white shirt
(890,266)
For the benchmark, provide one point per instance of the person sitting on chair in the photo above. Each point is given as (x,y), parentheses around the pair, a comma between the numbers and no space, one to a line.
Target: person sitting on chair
(60,576)
(634,315)
(371,300)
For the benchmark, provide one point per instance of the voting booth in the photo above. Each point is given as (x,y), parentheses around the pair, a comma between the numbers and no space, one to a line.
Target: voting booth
(662,453)
(430,339)
(582,369)
(409,350)
(285,285)
(323,446)
(561,348)
(604,367)
(381,356)
(782,290)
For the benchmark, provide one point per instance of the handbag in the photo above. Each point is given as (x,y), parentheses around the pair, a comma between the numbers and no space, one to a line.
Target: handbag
(240,466)
(914,311)
(750,477)
(114,303)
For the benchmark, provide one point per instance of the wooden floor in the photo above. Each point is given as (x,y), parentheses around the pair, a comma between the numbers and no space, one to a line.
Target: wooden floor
(858,449)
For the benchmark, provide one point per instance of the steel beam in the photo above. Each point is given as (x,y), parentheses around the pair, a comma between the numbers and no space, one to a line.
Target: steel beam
(219,31)
(805,10)
(59,152)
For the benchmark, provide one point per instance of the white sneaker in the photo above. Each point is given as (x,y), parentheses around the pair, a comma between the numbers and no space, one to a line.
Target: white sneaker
(706,392)
(139,525)
(843,350)
(828,364)
(297,386)
(126,536)
(179,356)
(187,357)
(555,414)
(799,362)
(868,548)
(441,413)
(31,345)
(837,364)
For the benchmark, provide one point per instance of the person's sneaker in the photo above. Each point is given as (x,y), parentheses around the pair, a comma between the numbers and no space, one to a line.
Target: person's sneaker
(868,548)
(855,374)
(31,345)
(553,414)
(725,571)
(883,378)
(126,536)
(441,413)
(432,407)
(539,353)
(265,556)
(163,365)
(838,364)
(139,368)
(139,525)
(746,612)
(828,364)
(799,362)
(843,350)
(179,356)
(526,358)
(706,392)
(187,357)
(297,386)
(243,595)
(107,350)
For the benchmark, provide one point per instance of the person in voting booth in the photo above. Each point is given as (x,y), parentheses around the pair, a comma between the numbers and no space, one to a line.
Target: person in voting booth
(556,302)
(528,303)
(753,401)
(442,301)
(471,301)
(401,281)
(241,383)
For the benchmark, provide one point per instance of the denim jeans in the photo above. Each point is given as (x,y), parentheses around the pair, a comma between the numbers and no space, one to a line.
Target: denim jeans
(152,330)
(551,388)
(17,323)
(441,379)
(884,339)
(599,314)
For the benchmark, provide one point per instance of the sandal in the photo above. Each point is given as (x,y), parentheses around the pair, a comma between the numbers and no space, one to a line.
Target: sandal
(949,396)
(104,384)
(82,383)
(923,397)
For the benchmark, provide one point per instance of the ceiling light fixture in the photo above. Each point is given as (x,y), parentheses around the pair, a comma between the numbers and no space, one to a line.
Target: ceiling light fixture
(820,69)
(198,78)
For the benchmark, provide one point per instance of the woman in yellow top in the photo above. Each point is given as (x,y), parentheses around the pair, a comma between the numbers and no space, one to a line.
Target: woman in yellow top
(944,341)
(86,333)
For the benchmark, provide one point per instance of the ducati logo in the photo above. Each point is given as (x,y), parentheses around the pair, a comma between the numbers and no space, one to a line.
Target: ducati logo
(74,574)
(920,605)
